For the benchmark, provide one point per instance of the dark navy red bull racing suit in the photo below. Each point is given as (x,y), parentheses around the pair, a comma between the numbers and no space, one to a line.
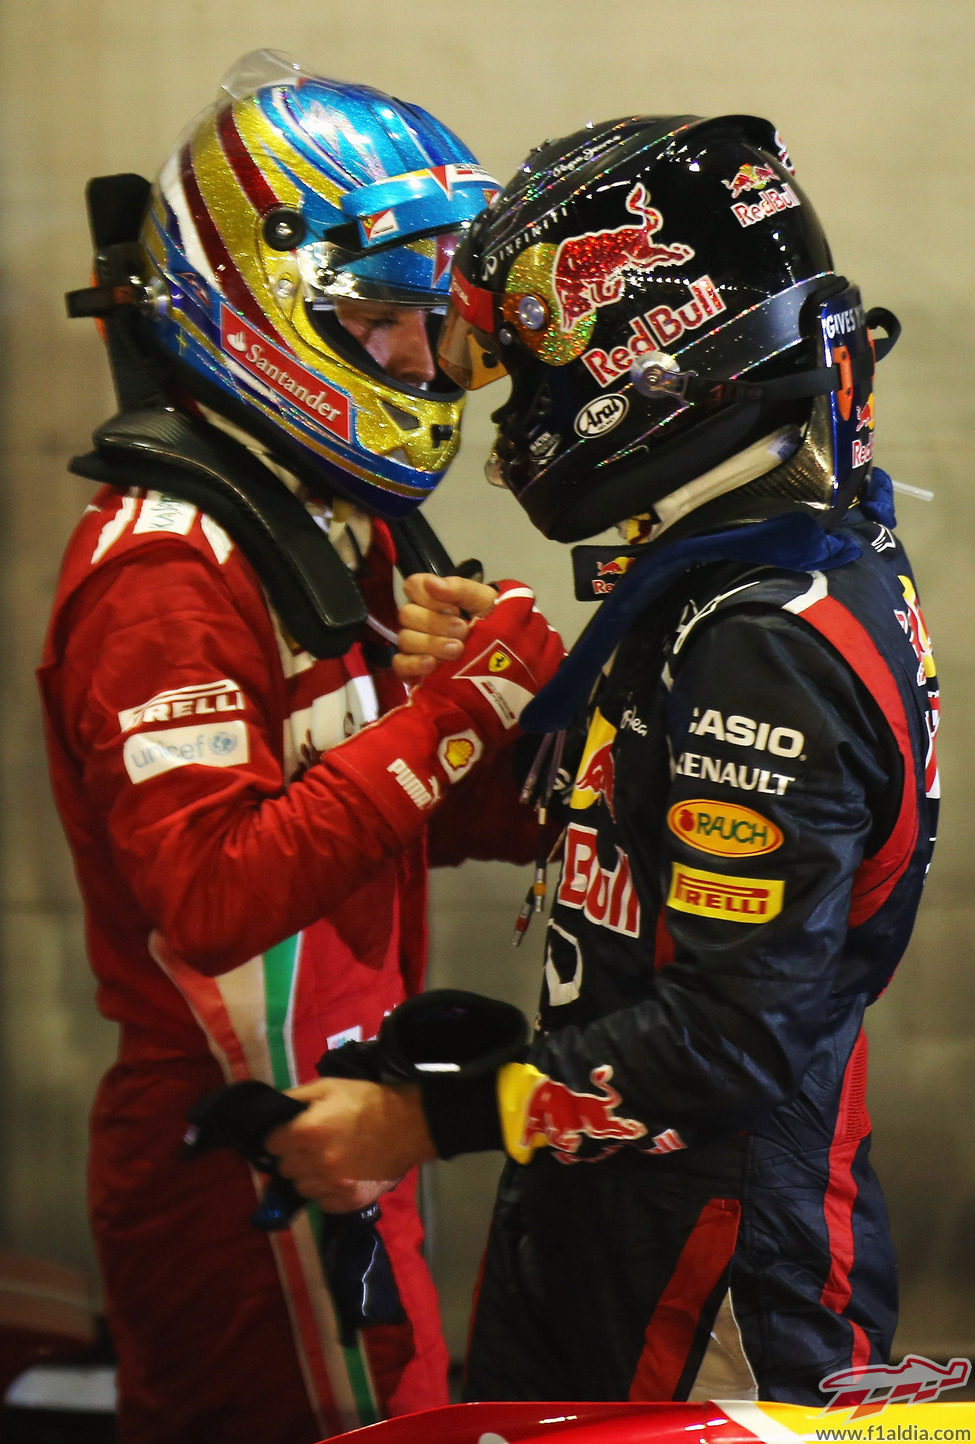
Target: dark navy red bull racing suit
(693,1212)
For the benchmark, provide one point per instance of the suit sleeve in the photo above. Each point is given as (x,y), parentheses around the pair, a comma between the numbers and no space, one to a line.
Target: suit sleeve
(221,856)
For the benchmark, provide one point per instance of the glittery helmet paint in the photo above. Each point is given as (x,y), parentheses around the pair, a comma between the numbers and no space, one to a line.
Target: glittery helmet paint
(661,295)
(291,197)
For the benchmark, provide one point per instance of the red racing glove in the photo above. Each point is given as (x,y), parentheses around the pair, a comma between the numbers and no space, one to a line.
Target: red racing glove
(404,761)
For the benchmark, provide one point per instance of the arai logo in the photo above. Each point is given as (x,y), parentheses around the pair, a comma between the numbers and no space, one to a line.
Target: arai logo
(601,415)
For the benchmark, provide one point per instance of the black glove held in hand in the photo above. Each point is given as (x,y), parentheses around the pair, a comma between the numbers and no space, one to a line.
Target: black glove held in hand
(353,1255)
(240,1117)
(452,1044)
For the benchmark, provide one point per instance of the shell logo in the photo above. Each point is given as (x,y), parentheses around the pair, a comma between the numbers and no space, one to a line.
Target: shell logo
(723,829)
(458,753)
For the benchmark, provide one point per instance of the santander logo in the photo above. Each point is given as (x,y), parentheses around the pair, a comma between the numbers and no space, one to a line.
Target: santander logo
(284,375)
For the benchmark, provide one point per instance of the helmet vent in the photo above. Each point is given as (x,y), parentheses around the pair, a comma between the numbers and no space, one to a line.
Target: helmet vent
(404,420)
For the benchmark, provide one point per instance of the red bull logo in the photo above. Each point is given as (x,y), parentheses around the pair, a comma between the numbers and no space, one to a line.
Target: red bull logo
(614,568)
(609,573)
(588,270)
(563,1118)
(596,777)
(660,326)
(749,178)
(771,201)
(865,416)
(606,896)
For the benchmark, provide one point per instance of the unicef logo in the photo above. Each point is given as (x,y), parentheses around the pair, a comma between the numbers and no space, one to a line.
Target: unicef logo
(223,744)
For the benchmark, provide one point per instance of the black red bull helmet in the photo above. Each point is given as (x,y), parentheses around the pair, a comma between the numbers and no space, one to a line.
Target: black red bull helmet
(661,295)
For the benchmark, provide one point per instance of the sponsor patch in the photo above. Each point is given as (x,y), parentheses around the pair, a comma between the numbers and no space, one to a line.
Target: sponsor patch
(420,794)
(724,829)
(347,1035)
(662,325)
(458,753)
(746,732)
(733,899)
(606,896)
(563,1117)
(770,203)
(181,702)
(733,774)
(283,374)
(499,675)
(596,771)
(213,744)
(749,178)
(165,513)
(601,415)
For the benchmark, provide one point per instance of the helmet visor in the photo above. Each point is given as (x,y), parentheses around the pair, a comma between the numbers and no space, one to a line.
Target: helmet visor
(468,355)
(411,274)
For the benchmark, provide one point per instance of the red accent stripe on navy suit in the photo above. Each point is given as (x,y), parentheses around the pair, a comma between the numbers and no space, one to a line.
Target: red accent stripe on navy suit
(877,876)
(841,1193)
(676,1321)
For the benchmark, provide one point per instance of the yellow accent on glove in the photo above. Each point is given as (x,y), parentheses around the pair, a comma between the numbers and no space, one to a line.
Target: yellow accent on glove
(516,1086)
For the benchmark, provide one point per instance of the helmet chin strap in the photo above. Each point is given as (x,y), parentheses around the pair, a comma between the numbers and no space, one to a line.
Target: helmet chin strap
(756,460)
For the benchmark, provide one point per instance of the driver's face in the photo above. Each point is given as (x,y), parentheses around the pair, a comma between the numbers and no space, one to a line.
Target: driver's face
(395,337)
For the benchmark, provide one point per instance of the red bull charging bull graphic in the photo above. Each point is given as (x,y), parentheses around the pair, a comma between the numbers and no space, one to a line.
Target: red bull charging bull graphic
(588,270)
(749,178)
(563,1118)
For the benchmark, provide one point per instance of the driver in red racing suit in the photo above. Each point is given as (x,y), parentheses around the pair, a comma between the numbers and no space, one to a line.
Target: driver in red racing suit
(250,794)
(688,1210)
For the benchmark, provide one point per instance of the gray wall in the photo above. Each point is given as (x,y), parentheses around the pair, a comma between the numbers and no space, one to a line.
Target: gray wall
(876,101)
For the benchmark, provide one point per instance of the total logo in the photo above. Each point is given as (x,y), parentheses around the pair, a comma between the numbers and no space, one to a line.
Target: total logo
(659,327)
(723,829)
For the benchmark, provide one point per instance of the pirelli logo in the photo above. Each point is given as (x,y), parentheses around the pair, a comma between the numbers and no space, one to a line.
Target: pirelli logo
(735,899)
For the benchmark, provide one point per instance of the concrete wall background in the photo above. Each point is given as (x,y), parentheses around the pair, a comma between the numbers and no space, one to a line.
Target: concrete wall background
(876,103)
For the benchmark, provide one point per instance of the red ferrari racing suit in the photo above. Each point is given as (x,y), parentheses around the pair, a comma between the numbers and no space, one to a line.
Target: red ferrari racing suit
(240,917)
(692,1212)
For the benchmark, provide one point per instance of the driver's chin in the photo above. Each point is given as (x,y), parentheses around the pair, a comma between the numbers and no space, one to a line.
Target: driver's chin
(494,469)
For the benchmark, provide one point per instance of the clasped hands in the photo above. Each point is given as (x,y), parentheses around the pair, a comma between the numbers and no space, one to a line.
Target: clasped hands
(356,1139)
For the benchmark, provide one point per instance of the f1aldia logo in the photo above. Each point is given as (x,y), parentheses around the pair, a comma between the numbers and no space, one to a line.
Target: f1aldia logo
(870,1388)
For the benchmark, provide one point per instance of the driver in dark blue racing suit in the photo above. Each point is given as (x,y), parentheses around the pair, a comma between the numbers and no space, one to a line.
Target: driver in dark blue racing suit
(744,737)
